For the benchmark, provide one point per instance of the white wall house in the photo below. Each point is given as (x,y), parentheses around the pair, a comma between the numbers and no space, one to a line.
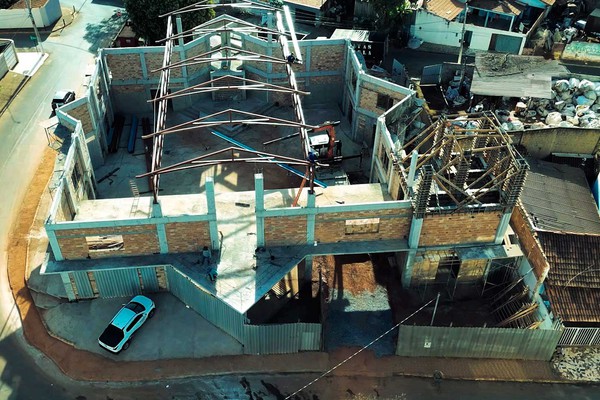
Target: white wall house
(17,15)
(491,25)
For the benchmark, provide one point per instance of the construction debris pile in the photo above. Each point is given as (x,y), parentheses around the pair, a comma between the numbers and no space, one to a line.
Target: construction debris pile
(574,103)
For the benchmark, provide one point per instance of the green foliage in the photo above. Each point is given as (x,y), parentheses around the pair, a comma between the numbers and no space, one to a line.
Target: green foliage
(391,13)
(145,20)
(6,3)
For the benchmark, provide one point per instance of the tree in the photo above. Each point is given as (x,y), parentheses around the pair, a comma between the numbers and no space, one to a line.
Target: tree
(391,13)
(145,20)
(4,4)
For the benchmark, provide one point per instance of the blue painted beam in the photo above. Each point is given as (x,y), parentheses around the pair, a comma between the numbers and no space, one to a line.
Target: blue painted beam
(282,165)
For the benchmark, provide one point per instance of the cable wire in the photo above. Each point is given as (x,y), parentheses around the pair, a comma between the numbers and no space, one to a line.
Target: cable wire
(359,351)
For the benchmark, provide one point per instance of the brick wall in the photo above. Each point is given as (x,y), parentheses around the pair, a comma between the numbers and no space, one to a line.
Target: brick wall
(137,239)
(257,48)
(471,270)
(285,230)
(327,57)
(122,89)
(187,236)
(368,97)
(200,48)
(124,66)
(425,267)
(529,243)
(81,113)
(393,224)
(457,228)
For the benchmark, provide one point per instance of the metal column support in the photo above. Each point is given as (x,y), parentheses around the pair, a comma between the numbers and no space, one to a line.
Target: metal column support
(259,198)
(502,226)
(212,212)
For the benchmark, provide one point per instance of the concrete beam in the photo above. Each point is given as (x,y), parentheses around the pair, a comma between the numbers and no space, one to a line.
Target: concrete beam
(54,245)
(64,276)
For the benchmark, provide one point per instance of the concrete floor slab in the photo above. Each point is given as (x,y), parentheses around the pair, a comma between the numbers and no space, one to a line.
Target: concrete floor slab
(175,331)
(185,145)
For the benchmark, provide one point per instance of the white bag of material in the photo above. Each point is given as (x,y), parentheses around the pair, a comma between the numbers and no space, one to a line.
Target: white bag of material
(565,124)
(590,94)
(565,95)
(573,84)
(516,125)
(569,110)
(573,120)
(585,86)
(584,101)
(581,110)
(561,85)
(538,125)
(553,118)
(559,105)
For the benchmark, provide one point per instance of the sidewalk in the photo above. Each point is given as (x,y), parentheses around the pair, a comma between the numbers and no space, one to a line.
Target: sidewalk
(82,365)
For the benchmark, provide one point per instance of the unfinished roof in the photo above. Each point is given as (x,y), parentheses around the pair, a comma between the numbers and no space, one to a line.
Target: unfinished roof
(514,76)
(556,197)
(573,282)
(447,9)
(504,7)
(357,35)
(317,4)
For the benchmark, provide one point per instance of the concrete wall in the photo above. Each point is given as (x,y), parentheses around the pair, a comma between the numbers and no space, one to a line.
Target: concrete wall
(8,56)
(43,16)
(433,29)
(540,143)
(529,244)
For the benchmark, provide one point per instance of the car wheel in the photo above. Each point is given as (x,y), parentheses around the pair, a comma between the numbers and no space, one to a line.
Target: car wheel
(151,313)
(126,345)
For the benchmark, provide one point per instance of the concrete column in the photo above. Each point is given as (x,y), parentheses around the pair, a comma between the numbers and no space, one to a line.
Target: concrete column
(64,276)
(212,213)
(160,229)
(310,219)
(308,266)
(502,226)
(54,244)
(259,198)
(415,233)
(69,195)
(414,157)
(407,271)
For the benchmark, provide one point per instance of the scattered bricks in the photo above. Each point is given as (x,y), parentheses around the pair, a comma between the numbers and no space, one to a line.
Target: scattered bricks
(183,237)
(459,228)
(125,66)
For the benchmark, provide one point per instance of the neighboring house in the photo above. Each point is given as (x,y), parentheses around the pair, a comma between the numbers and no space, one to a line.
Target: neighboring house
(127,37)
(491,25)
(372,45)
(45,13)
(559,227)
(8,56)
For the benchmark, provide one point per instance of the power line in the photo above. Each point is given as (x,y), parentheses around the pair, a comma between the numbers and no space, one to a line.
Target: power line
(359,351)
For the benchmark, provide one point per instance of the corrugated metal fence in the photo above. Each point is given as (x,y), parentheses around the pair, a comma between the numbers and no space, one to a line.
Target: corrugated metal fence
(205,304)
(580,337)
(433,341)
(281,339)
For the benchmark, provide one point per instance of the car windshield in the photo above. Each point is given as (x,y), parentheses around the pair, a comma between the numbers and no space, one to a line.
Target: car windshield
(112,336)
(135,307)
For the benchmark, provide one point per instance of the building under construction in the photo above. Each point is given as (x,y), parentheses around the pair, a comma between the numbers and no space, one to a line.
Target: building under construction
(225,202)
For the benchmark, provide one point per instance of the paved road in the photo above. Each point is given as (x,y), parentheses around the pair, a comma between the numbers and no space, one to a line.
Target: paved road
(22,144)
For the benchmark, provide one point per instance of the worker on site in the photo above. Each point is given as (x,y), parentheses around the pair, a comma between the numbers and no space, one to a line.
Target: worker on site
(291,58)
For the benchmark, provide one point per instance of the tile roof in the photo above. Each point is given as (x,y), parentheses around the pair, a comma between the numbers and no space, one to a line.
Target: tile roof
(447,9)
(557,198)
(504,7)
(450,9)
(573,282)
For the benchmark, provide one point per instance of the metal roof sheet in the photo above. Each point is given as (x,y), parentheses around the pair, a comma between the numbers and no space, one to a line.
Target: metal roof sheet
(557,197)
(503,6)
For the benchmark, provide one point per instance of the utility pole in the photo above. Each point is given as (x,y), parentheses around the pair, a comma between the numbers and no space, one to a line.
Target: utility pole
(37,34)
(462,35)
